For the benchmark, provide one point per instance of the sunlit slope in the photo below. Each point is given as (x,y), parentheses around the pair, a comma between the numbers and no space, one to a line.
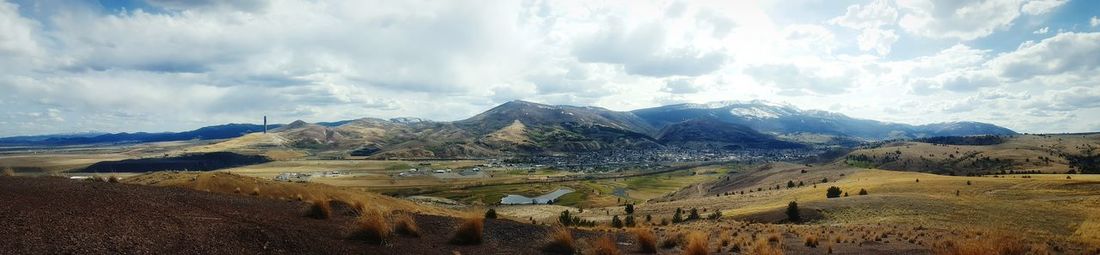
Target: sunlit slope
(1044,206)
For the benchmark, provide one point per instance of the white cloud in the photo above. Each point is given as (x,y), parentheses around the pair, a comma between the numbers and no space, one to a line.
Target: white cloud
(1094,21)
(870,19)
(642,50)
(1043,30)
(877,39)
(957,19)
(876,14)
(1040,7)
(182,65)
(1062,54)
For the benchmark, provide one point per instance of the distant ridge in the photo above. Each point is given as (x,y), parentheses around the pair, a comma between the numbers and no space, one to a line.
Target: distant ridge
(546,128)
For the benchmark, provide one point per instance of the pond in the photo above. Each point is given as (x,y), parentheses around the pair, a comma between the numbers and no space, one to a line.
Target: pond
(511,199)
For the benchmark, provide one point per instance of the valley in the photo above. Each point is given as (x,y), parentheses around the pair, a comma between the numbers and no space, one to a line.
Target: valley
(617,174)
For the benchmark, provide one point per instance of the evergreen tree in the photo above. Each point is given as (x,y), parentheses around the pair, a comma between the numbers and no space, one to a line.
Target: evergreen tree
(792,212)
(833,192)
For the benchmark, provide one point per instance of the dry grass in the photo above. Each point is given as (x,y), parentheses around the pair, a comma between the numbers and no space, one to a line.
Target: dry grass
(696,244)
(560,241)
(469,232)
(372,228)
(605,245)
(672,240)
(764,247)
(985,245)
(811,241)
(647,241)
(320,209)
(403,224)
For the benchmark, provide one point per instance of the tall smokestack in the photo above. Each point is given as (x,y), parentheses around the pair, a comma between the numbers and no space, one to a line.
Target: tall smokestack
(265,124)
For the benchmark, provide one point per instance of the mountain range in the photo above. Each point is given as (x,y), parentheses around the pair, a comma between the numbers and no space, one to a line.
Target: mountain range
(521,127)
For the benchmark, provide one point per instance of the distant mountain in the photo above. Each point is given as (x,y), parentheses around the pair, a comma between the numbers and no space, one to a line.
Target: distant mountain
(714,134)
(521,127)
(212,132)
(789,120)
(535,114)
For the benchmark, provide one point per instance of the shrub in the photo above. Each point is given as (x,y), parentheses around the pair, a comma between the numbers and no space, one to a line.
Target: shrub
(372,228)
(563,218)
(832,192)
(672,240)
(647,242)
(491,214)
(696,244)
(616,222)
(404,224)
(629,221)
(790,184)
(605,245)
(715,215)
(763,247)
(792,212)
(811,241)
(862,192)
(8,172)
(255,191)
(677,218)
(112,179)
(469,232)
(560,241)
(694,214)
(629,209)
(320,209)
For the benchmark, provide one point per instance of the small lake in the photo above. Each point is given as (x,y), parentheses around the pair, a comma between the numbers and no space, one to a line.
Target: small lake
(511,199)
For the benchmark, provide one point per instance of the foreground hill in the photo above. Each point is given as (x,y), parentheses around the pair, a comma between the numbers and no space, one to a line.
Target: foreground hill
(62,216)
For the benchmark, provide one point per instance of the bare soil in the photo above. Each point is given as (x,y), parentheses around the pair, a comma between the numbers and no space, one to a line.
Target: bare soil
(47,215)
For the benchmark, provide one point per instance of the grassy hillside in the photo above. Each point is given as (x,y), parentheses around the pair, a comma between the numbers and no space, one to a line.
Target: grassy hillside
(1035,207)
(1042,153)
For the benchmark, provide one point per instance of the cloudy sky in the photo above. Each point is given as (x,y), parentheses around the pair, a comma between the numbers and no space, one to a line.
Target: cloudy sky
(168,65)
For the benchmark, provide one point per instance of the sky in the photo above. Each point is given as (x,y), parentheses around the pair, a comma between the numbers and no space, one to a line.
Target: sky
(169,65)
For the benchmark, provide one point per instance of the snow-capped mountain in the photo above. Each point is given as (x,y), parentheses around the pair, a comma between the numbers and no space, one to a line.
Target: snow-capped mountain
(777,118)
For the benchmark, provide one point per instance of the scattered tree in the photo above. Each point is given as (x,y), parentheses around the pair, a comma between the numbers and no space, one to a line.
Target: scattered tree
(717,214)
(792,212)
(629,221)
(616,222)
(629,208)
(694,215)
(491,214)
(790,184)
(832,192)
(678,217)
(862,192)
